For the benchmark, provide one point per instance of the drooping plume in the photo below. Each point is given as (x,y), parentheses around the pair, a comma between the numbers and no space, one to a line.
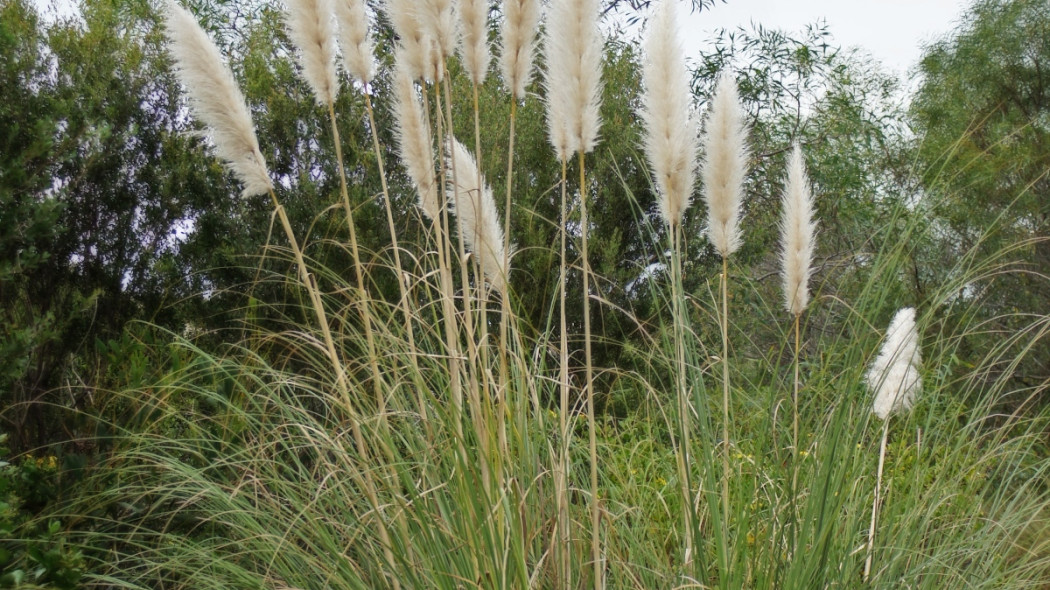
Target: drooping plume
(573,50)
(520,22)
(474,47)
(216,100)
(797,235)
(438,19)
(724,166)
(476,216)
(419,52)
(671,142)
(413,138)
(894,374)
(310,28)
(354,40)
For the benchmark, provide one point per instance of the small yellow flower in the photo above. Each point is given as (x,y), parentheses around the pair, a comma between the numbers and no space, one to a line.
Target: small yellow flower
(660,481)
(750,538)
(803,453)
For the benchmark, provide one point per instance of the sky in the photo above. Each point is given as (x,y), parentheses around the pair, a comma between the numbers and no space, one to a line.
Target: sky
(893,31)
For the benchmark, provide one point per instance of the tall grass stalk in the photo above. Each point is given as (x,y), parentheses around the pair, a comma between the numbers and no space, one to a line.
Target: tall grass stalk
(723,172)
(797,238)
(671,148)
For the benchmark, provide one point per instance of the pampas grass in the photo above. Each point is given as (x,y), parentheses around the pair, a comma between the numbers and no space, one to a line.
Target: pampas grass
(671,147)
(438,19)
(797,235)
(894,379)
(671,142)
(418,51)
(355,40)
(474,45)
(574,65)
(520,22)
(894,374)
(311,29)
(724,165)
(573,50)
(477,219)
(414,139)
(797,239)
(216,100)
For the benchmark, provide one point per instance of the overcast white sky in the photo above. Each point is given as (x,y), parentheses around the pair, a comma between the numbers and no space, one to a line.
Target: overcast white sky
(893,31)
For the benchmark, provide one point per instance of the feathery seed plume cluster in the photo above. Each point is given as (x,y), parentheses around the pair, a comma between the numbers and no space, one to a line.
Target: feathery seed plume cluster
(418,51)
(438,19)
(354,39)
(474,47)
(311,30)
(413,139)
(797,235)
(216,100)
(476,216)
(574,68)
(724,165)
(520,21)
(894,374)
(671,142)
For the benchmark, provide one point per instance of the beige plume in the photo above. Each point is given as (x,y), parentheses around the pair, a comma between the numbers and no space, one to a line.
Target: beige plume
(216,100)
(354,40)
(573,50)
(671,142)
(419,51)
(894,374)
(724,166)
(476,216)
(413,138)
(310,29)
(797,235)
(474,46)
(520,21)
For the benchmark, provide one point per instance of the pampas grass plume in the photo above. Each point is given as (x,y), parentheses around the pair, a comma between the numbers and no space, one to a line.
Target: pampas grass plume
(216,100)
(520,21)
(574,68)
(894,374)
(797,235)
(354,39)
(418,53)
(724,165)
(438,19)
(310,28)
(671,142)
(473,16)
(476,216)
(413,138)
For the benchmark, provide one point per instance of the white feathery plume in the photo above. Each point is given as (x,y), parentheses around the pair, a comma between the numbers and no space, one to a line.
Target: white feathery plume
(216,100)
(724,165)
(671,142)
(438,19)
(574,69)
(476,216)
(894,374)
(520,21)
(419,52)
(797,235)
(413,138)
(354,40)
(311,30)
(474,46)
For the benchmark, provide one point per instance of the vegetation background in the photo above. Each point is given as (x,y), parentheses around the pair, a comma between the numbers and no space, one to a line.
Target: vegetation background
(129,266)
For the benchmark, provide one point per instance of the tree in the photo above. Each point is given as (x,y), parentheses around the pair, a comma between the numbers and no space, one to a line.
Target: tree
(982,115)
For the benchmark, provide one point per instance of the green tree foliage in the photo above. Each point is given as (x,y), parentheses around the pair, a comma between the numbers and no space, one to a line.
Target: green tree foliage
(982,115)
(98,174)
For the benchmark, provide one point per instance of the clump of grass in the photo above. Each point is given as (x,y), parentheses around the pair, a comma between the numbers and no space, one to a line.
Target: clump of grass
(242,470)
